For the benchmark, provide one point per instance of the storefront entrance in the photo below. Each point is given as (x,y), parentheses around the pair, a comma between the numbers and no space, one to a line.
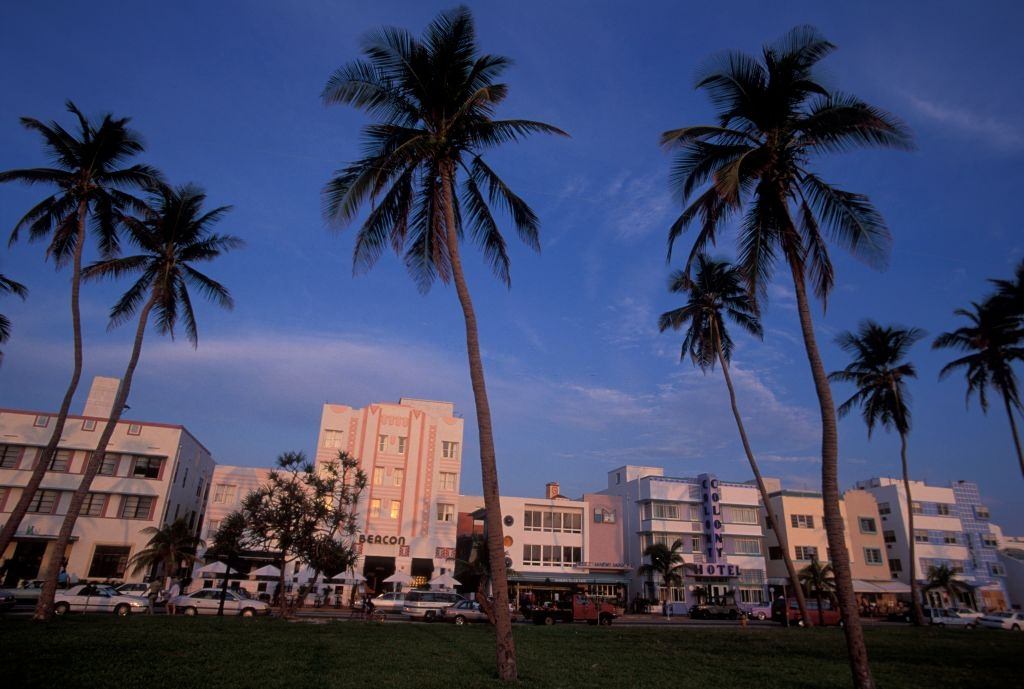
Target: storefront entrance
(376,569)
(25,563)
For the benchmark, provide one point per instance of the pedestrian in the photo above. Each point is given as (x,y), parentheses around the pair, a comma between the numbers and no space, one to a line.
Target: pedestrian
(62,576)
(153,594)
(173,593)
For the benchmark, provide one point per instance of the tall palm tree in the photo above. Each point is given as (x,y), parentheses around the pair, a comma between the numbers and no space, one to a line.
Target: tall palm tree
(820,580)
(943,578)
(88,171)
(172,236)
(434,100)
(169,547)
(666,562)
(992,342)
(718,291)
(8,286)
(880,372)
(775,117)
(1010,294)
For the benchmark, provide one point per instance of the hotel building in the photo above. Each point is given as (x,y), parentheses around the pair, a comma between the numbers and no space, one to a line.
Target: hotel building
(718,523)
(411,452)
(153,473)
(952,528)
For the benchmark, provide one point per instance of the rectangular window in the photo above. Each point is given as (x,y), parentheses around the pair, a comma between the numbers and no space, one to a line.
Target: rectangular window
(774,552)
(378,476)
(696,544)
(42,421)
(806,552)
(445,512)
(996,569)
(740,515)
(571,555)
(943,509)
(572,522)
(531,520)
(531,555)
(449,450)
(746,546)
(396,508)
(551,554)
(448,480)
(88,424)
(333,438)
(883,508)
(873,556)
(109,561)
(398,477)
(916,508)
(224,493)
(382,443)
(920,536)
(134,429)
(375,507)
(61,460)
(694,511)
(109,465)
(867,525)
(212,527)
(889,536)
(137,506)
(44,502)
(802,521)
(664,510)
(950,538)
(989,541)
(149,467)
(895,565)
(982,512)
(402,441)
(94,504)
(10,456)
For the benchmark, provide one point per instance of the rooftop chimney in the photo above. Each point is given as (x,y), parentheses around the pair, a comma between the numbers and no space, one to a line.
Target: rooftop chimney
(551,490)
(101,397)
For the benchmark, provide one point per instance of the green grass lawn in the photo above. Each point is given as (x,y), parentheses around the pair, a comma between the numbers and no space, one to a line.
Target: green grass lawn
(212,653)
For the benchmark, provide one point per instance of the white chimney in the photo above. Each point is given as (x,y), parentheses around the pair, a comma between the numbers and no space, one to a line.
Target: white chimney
(101,397)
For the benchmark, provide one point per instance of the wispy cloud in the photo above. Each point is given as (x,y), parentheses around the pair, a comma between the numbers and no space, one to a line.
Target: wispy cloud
(999,132)
(630,323)
(640,204)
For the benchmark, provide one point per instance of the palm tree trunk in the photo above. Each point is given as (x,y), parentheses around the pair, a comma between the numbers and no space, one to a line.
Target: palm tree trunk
(1013,428)
(773,523)
(506,650)
(821,609)
(46,456)
(44,609)
(915,598)
(834,529)
(223,590)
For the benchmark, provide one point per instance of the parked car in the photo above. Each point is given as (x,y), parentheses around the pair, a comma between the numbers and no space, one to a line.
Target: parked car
(580,608)
(7,601)
(968,612)
(829,615)
(1014,621)
(463,612)
(97,598)
(714,611)
(207,602)
(760,611)
(947,617)
(133,589)
(25,593)
(427,605)
(389,602)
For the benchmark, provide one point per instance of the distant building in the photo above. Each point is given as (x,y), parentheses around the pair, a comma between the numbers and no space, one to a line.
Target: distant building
(153,473)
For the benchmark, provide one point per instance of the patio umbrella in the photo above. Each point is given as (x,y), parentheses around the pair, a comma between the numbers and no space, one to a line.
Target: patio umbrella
(348,578)
(267,571)
(399,578)
(444,581)
(212,568)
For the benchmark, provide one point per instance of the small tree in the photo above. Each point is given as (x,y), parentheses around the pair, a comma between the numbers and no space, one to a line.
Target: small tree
(666,562)
(943,578)
(169,547)
(228,547)
(819,579)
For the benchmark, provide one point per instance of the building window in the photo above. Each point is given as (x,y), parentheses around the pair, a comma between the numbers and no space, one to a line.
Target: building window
(571,554)
(61,461)
(740,515)
(751,595)
(552,521)
(663,510)
(224,493)
(920,536)
(802,521)
(746,546)
(883,508)
(398,477)
(572,522)
(94,504)
(149,467)
(943,509)
(873,556)
(42,421)
(895,565)
(867,525)
(109,561)
(378,476)
(806,552)
(445,512)
(531,555)
(375,507)
(333,438)
(44,502)
(950,538)
(916,508)
(989,541)
(889,536)
(109,465)
(448,480)
(996,569)
(211,529)
(184,478)
(382,443)
(982,512)
(88,424)
(10,456)
(696,544)
(531,520)
(603,516)
(396,508)
(402,440)
(449,450)
(774,552)
(134,429)
(136,506)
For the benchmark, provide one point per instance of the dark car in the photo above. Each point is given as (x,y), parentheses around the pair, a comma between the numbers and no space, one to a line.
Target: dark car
(7,601)
(715,611)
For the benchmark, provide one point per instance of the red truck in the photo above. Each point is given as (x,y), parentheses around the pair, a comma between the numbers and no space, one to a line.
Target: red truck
(581,607)
(828,616)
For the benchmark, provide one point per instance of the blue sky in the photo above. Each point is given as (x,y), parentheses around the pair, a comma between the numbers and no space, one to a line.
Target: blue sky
(227,96)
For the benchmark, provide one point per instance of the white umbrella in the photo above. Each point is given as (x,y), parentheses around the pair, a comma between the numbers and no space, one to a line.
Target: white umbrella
(399,578)
(266,571)
(346,578)
(212,568)
(445,581)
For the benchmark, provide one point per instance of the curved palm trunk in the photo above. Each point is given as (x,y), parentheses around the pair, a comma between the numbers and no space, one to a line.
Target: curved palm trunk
(1013,428)
(834,528)
(46,456)
(915,597)
(779,529)
(506,650)
(44,609)
(821,608)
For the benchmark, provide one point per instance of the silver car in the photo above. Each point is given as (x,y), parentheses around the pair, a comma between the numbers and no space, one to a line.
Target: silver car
(389,602)
(207,601)
(463,612)
(97,598)
(427,605)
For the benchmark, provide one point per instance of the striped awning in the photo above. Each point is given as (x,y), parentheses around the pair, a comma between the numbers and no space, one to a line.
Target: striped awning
(879,586)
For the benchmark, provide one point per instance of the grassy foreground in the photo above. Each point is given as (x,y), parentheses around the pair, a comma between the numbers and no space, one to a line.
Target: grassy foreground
(215,653)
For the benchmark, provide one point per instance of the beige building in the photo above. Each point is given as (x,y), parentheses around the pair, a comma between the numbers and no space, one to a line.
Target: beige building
(152,474)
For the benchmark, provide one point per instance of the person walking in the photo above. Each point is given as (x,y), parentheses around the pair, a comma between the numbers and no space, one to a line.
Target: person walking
(153,594)
(173,593)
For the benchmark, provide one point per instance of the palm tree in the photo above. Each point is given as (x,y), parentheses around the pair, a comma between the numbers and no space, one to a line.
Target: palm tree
(775,117)
(717,288)
(8,286)
(229,546)
(666,562)
(172,236)
(90,183)
(1010,294)
(992,342)
(434,99)
(820,580)
(170,547)
(879,371)
(944,579)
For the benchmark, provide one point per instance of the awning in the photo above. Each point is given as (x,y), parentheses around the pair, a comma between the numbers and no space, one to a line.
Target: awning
(566,578)
(879,586)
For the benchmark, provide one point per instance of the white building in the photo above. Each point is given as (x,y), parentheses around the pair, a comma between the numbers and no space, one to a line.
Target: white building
(153,473)
(717,522)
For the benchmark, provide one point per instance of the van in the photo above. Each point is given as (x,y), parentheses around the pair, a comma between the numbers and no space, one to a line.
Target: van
(427,605)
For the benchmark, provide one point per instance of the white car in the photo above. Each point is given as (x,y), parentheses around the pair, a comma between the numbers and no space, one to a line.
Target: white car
(133,589)
(97,598)
(1013,621)
(207,601)
(389,602)
(944,617)
(968,612)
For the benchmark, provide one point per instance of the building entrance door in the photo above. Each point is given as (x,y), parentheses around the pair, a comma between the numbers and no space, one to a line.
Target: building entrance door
(28,556)
(720,592)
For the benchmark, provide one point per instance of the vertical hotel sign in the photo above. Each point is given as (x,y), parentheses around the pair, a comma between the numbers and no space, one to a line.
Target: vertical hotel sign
(712,509)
